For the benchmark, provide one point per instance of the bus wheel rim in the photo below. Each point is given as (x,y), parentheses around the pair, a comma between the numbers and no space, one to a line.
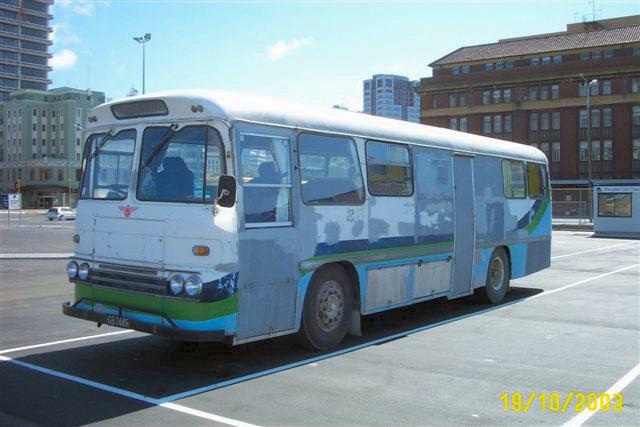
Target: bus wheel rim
(330,306)
(496,274)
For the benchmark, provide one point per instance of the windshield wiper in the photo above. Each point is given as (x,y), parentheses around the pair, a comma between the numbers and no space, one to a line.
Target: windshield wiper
(100,144)
(160,146)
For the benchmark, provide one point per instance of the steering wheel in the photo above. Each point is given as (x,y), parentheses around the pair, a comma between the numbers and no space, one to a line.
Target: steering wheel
(118,188)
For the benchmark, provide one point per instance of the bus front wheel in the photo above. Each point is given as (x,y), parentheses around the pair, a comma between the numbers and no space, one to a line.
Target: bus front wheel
(498,275)
(327,307)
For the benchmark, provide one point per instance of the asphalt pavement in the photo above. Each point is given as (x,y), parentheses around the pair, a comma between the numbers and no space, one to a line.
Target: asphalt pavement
(572,328)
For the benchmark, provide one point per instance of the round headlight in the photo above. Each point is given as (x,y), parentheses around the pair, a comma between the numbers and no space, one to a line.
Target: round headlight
(72,269)
(83,271)
(193,286)
(176,283)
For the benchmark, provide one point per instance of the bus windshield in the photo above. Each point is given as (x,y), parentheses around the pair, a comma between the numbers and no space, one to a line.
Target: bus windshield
(108,173)
(180,166)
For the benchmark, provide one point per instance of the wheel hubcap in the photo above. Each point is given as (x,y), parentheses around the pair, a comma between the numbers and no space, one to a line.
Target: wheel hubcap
(329,306)
(496,275)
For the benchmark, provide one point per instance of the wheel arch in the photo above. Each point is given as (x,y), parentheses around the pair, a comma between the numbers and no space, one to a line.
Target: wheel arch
(508,252)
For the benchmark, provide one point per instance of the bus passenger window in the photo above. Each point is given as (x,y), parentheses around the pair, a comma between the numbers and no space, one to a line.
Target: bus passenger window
(389,171)
(513,175)
(536,181)
(266,179)
(329,171)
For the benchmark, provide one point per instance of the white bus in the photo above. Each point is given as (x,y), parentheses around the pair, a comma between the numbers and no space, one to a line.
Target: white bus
(218,217)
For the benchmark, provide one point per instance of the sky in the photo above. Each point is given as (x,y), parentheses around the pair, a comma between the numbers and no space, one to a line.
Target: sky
(312,52)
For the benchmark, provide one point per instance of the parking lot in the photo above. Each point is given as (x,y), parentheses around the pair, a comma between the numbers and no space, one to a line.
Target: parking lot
(572,328)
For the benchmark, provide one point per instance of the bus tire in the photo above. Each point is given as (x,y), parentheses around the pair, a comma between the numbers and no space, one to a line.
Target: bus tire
(327,309)
(498,277)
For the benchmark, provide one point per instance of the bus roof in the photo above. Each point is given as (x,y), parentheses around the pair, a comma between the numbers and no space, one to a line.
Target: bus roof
(232,107)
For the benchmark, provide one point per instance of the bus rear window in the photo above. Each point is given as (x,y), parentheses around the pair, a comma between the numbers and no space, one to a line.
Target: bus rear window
(135,109)
(513,175)
(536,180)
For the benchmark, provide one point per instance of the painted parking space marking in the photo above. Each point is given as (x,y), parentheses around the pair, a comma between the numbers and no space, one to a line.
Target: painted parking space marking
(592,250)
(620,385)
(600,276)
(47,344)
(126,393)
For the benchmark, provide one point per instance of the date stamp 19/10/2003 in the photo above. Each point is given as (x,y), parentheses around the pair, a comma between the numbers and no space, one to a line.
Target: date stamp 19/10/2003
(557,402)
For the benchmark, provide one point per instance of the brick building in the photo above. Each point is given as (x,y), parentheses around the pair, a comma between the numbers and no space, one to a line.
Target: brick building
(533,90)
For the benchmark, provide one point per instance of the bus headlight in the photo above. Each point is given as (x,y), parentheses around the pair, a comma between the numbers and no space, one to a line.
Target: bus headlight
(72,269)
(83,271)
(193,286)
(176,283)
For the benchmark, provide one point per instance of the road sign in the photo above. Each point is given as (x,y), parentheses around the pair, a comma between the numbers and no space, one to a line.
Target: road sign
(15,201)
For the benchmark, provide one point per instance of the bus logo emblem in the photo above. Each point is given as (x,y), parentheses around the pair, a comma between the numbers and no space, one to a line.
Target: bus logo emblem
(127,210)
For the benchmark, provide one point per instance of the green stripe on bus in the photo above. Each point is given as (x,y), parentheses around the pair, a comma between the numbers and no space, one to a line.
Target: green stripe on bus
(538,216)
(379,251)
(173,308)
(392,254)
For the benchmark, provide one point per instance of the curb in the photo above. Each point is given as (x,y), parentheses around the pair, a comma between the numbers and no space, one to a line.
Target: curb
(62,255)
(572,227)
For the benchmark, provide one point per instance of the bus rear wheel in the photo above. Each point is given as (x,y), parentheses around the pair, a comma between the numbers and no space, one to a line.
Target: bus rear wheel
(498,277)
(327,308)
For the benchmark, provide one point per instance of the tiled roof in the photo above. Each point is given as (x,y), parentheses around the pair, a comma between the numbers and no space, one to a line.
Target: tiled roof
(543,44)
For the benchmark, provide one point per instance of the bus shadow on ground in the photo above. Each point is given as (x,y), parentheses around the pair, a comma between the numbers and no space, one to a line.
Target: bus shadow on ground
(158,368)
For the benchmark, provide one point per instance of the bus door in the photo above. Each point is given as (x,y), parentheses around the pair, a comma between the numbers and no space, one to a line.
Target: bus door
(464,232)
(268,255)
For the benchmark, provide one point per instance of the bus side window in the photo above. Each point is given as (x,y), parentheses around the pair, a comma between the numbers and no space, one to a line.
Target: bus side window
(514,177)
(330,171)
(389,171)
(536,181)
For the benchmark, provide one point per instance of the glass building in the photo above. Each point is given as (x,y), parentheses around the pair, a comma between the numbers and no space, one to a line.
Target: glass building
(24,45)
(391,96)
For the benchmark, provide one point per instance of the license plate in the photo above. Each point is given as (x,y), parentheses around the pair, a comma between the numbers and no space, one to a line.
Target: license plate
(117,321)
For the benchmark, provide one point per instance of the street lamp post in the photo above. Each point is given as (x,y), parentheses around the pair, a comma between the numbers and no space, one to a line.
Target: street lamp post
(143,40)
(589,148)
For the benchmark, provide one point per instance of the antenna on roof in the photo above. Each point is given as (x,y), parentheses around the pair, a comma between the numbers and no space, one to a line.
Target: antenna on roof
(594,11)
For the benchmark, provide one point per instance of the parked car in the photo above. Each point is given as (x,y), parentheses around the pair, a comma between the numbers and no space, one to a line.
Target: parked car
(62,213)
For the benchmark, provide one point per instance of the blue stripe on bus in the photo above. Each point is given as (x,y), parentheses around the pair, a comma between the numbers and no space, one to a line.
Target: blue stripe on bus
(383,243)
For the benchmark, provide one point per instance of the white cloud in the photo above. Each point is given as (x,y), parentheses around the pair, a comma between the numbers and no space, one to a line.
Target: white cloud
(63,60)
(62,34)
(281,48)
(81,7)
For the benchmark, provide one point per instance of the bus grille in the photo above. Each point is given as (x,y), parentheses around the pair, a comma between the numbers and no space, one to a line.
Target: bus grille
(129,278)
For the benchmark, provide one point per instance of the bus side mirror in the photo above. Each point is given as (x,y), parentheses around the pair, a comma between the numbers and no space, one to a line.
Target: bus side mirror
(226,191)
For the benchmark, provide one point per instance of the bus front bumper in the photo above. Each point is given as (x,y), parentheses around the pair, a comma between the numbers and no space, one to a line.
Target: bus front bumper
(121,320)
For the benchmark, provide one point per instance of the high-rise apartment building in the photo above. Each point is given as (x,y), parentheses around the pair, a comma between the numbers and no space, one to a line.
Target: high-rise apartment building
(533,90)
(391,96)
(41,142)
(24,45)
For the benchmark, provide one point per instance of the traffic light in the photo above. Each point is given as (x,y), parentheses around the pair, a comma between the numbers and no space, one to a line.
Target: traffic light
(18,184)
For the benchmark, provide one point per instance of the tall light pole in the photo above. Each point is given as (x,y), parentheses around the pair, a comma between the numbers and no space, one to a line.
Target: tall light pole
(143,40)
(588,86)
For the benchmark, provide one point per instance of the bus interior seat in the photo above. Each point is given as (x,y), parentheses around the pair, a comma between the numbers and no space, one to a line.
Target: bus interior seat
(334,188)
(176,180)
